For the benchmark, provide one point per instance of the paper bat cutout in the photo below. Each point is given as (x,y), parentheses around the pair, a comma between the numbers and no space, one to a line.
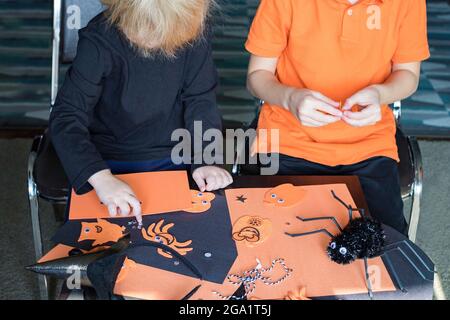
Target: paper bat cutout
(284,195)
(201,201)
(101,231)
(158,232)
(252,230)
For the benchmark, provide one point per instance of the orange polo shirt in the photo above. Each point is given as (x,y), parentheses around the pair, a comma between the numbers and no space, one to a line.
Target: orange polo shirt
(337,49)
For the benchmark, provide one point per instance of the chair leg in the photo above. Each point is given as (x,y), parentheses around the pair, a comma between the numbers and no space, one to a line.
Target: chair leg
(416,189)
(37,238)
(35,221)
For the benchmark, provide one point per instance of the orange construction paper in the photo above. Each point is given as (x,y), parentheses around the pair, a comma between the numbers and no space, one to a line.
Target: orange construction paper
(159,192)
(305,255)
(149,283)
(57,252)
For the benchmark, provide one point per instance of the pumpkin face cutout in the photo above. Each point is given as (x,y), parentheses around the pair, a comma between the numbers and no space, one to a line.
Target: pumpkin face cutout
(252,230)
(101,231)
(201,201)
(284,195)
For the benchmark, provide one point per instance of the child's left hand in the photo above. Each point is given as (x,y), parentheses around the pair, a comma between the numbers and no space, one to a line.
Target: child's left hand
(369,99)
(209,178)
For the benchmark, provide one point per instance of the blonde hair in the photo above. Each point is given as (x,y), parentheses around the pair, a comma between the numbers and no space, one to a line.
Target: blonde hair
(163,26)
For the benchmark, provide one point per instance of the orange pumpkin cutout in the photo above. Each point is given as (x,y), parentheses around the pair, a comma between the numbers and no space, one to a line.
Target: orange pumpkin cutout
(101,231)
(252,230)
(201,201)
(156,232)
(284,195)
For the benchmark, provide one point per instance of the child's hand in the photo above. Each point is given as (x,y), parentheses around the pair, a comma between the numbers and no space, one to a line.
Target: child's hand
(116,195)
(313,109)
(209,178)
(369,99)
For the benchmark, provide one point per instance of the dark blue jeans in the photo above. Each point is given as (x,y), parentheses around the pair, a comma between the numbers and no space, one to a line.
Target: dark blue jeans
(379,180)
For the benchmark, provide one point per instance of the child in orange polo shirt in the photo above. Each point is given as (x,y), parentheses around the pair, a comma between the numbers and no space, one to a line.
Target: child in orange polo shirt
(327,71)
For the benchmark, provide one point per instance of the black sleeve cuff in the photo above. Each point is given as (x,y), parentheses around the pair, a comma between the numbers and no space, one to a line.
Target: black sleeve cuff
(81,184)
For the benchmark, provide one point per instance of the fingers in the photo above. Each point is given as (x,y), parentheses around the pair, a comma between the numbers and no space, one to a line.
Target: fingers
(368,116)
(136,207)
(330,110)
(318,116)
(124,207)
(227,178)
(350,102)
(325,99)
(212,182)
(209,178)
(316,112)
(363,122)
(309,122)
(364,97)
(365,113)
(112,209)
(199,180)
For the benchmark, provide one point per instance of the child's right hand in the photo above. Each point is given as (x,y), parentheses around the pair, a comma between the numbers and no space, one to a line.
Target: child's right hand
(116,195)
(313,109)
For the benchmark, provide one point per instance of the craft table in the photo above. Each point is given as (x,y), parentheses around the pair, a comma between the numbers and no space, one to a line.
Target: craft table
(409,268)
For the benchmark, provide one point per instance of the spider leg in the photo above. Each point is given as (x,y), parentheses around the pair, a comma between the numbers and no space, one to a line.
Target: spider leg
(411,262)
(322,218)
(369,284)
(349,207)
(396,245)
(394,273)
(418,268)
(310,232)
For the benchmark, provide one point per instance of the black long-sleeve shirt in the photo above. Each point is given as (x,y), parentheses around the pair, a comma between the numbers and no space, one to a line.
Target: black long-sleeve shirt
(118,105)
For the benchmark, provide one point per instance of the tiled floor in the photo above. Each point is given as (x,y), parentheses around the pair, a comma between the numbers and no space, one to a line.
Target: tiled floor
(25,57)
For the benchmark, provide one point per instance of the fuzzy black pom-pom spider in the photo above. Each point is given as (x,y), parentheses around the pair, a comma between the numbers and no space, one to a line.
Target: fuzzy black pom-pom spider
(361,238)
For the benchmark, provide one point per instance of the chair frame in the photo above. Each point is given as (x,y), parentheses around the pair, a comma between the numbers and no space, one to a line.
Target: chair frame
(415,192)
(33,190)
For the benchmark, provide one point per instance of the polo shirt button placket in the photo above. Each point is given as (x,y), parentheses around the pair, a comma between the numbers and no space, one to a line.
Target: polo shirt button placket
(351,25)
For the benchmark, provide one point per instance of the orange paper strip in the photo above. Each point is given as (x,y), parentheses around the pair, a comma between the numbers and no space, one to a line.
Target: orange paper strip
(159,192)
